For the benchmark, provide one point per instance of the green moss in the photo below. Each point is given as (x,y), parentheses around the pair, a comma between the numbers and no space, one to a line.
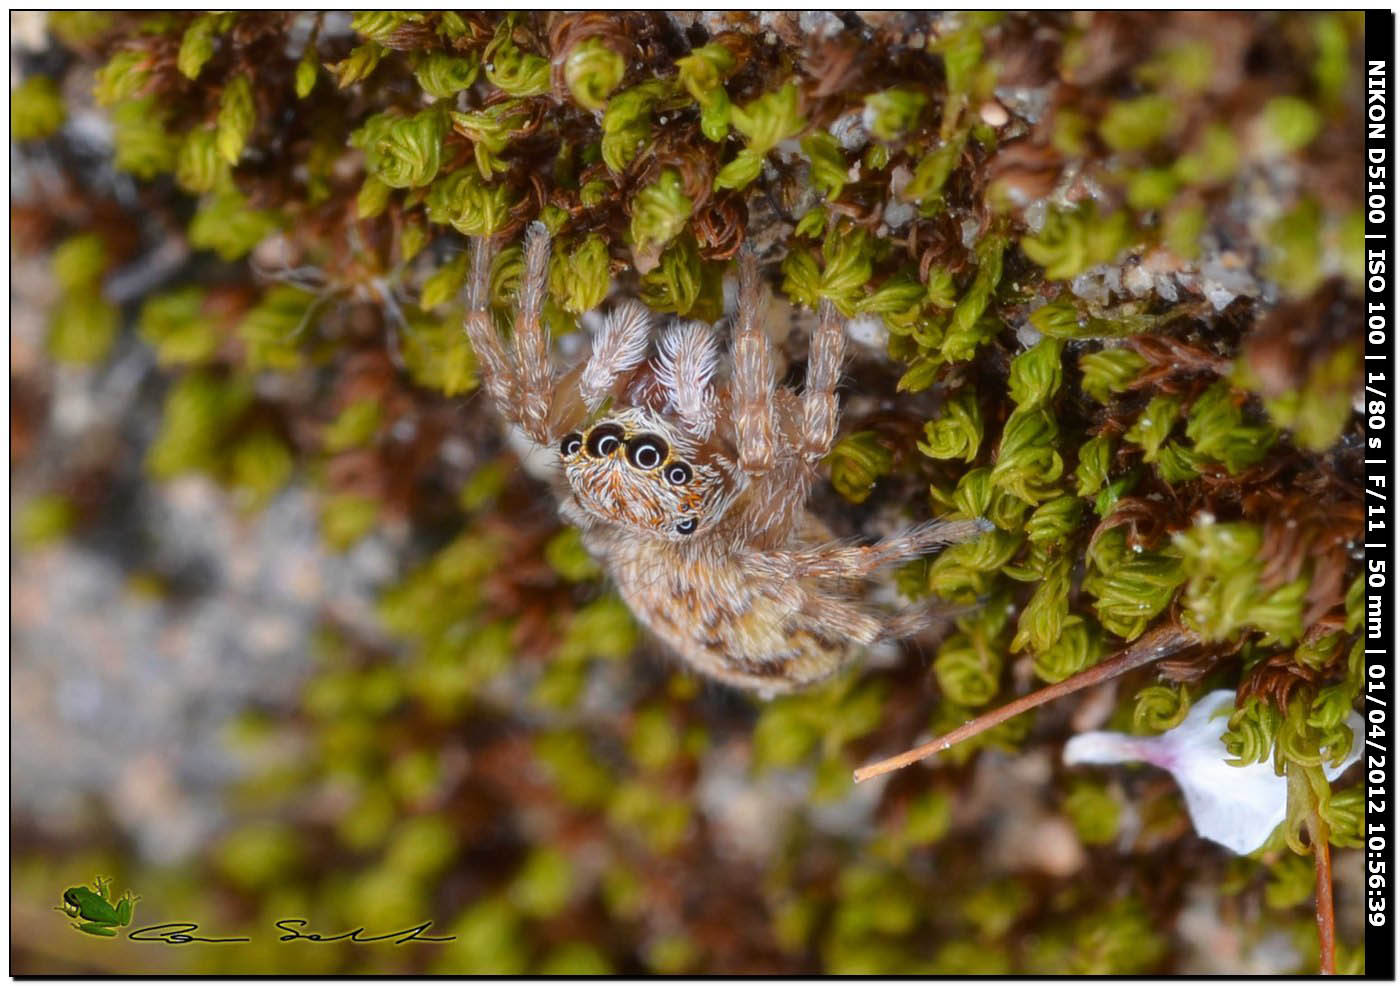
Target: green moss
(567,556)
(1295,249)
(437,354)
(957,432)
(543,885)
(44,520)
(765,121)
(513,69)
(1035,374)
(83,328)
(403,151)
(829,169)
(346,518)
(1154,424)
(123,77)
(1223,593)
(1158,708)
(627,123)
(198,409)
(1073,241)
(354,427)
(1094,812)
(1109,371)
(469,205)
(272,329)
(579,276)
(1136,124)
(237,116)
(1291,122)
(932,173)
(228,225)
(659,212)
(575,958)
(684,284)
(199,167)
(893,112)
(857,462)
(592,71)
(1130,587)
(259,466)
(1213,158)
(488,940)
(1216,427)
(1027,463)
(1079,646)
(36,109)
(491,132)
(442,75)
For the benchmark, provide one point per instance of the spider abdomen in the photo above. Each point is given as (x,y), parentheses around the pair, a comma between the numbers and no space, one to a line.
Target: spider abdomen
(751,631)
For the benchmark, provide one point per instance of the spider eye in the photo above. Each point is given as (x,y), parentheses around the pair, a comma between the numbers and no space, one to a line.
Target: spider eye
(572,442)
(646,451)
(686,526)
(604,440)
(678,474)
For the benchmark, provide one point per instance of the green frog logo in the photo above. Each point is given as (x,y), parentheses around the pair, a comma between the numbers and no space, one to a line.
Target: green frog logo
(94,910)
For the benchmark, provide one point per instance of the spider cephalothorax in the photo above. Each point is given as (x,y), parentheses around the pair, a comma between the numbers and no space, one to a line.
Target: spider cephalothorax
(635,470)
(688,480)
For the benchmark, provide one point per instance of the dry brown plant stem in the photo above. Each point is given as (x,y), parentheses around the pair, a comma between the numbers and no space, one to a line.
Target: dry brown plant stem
(1160,643)
(1318,836)
(1326,915)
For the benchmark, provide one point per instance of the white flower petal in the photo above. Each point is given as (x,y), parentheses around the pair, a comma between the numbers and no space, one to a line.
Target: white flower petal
(1238,807)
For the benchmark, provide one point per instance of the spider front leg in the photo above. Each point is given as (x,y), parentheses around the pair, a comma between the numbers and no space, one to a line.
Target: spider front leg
(754,385)
(522,382)
(534,373)
(497,374)
(823,372)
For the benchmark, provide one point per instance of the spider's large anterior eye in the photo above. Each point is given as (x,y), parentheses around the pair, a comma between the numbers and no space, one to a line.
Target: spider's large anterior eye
(572,442)
(678,474)
(686,526)
(646,451)
(604,440)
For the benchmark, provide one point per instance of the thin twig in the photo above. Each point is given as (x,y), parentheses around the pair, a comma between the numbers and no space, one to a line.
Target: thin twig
(1326,914)
(1154,646)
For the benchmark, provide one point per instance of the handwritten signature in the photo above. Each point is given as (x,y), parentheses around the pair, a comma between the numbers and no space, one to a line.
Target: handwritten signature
(179,933)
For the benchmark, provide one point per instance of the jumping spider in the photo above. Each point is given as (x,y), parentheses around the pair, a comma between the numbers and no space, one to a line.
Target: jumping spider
(691,489)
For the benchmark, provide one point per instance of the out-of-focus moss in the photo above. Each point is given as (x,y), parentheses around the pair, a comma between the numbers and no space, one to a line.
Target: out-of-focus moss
(437,355)
(346,518)
(44,520)
(260,465)
(226,224)
(36,109)
(488,940)
(273,328)
(174,323)
(1094,811)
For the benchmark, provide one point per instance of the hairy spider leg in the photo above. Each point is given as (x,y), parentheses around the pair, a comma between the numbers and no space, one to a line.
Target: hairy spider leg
(754,387)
